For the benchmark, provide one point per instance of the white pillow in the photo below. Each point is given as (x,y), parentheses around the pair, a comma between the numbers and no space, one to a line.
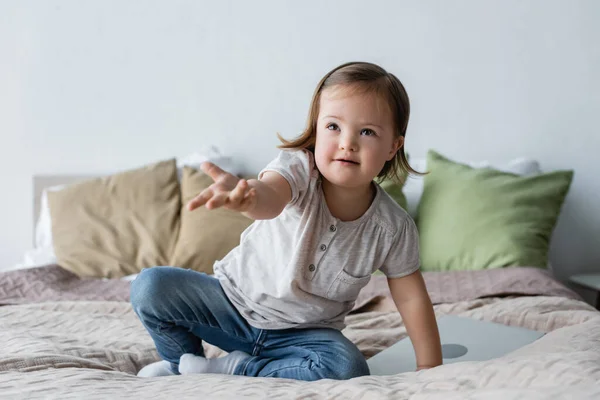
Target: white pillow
(413,188)
(43,226)
(44,247)
(211,154)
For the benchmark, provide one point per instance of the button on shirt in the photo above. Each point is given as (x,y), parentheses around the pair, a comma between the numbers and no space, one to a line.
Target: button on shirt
(305,267)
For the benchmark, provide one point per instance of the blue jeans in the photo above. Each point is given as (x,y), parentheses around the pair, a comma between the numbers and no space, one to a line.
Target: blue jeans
(180,308)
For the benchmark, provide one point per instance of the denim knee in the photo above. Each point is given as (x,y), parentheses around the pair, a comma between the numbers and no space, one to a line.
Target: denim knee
(150,285)
(349,364)
(353,369)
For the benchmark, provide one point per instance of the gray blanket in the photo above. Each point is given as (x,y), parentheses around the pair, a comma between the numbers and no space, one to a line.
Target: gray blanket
(53,283)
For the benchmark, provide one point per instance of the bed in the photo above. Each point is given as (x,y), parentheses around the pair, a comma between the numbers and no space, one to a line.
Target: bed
(67,336)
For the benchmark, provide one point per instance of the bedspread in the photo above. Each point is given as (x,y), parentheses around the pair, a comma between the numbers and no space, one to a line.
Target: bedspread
(67,337)
(93,350)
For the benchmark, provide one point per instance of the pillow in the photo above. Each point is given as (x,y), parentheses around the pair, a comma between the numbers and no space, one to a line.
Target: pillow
(43,228)
(413,187)
(205,235)
(480,218)
(212,154)
(115,226)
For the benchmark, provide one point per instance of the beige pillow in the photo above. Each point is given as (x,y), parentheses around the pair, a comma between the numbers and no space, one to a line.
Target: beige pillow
(115,226)
(205,235)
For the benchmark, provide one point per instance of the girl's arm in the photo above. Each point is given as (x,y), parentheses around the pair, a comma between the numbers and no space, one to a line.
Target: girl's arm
(257,199)
(273,193)
(413,302)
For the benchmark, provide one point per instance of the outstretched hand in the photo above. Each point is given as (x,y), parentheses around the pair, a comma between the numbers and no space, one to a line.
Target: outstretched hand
(227,191)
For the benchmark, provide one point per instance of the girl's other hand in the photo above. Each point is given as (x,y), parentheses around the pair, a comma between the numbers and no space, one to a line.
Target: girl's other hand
(227,191)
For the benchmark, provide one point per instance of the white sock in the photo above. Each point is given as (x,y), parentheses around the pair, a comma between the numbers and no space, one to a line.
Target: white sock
(192,364)
(159,368)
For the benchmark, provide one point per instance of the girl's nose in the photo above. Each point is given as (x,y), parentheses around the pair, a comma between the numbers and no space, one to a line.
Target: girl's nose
(348,143)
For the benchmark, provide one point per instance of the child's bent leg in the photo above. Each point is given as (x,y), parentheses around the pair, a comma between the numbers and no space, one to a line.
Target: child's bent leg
(180,308)
(306,354)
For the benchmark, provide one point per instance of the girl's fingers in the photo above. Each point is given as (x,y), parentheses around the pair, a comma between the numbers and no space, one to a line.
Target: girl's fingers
(218,200)
(237,194)
(201,199)
(239,199)
(248,201)
(212,170)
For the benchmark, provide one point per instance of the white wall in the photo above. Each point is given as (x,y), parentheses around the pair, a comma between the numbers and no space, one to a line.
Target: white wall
(99,86)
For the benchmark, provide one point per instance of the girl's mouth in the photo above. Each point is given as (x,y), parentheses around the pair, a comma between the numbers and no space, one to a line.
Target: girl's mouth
(347,162)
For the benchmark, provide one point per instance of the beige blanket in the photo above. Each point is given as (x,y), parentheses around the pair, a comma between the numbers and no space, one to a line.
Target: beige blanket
(92,350)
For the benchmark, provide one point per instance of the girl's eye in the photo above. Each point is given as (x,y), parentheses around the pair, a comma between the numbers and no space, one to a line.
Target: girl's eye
(368,132)
(332,127)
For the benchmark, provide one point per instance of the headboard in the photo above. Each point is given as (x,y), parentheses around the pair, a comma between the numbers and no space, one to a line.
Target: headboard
(41,182)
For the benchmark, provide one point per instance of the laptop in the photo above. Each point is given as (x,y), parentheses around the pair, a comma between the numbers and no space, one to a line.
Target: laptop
(463,339)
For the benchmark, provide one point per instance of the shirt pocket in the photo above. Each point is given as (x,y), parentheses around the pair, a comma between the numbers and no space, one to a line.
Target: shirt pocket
(346,287)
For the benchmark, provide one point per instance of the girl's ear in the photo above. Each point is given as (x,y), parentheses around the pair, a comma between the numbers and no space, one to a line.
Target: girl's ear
(396,145)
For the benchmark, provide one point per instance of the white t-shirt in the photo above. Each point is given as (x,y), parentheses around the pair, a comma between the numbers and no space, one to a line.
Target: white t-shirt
(305,268)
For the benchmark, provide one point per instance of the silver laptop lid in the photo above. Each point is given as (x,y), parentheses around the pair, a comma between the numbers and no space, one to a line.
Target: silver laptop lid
(463,339)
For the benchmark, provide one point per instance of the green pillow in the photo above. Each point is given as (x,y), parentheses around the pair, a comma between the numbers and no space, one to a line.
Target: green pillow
(480,218)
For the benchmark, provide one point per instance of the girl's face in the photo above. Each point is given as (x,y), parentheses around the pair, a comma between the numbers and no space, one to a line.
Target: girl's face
(355,137)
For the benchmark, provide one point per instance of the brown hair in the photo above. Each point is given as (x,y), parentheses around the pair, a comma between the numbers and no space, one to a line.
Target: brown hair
(368,78)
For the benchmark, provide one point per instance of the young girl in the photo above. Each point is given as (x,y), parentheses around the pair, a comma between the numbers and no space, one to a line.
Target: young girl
(277,302)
